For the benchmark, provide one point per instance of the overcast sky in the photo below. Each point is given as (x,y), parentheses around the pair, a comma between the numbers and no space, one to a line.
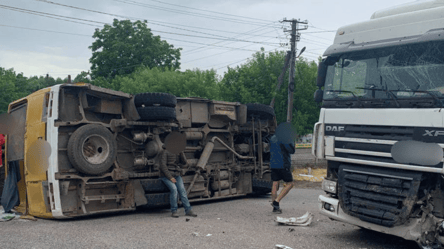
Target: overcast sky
(35,44)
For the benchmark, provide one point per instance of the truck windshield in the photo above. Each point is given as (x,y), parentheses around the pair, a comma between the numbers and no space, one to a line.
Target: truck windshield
(414,71)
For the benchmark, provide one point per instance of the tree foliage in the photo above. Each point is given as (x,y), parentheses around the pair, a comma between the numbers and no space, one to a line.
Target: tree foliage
(15,86)
(119,49)
(252,82)
(256,80)
(195,83)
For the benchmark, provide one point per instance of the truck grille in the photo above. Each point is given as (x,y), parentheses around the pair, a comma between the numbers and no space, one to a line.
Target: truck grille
(377,195)
(379,132)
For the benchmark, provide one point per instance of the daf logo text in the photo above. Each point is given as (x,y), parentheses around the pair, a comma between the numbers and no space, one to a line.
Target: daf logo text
(334,128)
(433,133)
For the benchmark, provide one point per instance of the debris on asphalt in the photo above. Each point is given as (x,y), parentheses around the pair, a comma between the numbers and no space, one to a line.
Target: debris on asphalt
(208,235)
(187,219)
(290,229)
(28,217)
(283,247)
(195,234)
(304,220)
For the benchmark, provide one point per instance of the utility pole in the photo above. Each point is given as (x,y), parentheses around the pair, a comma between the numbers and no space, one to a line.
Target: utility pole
(295,37)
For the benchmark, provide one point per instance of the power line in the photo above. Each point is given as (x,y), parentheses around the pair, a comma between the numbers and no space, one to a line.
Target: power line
(168,38)
(243,34)
(214,55)
(209,11)
(44,30)
(189,13)
(137,18)
(326,31)
(49,15)
(44,15)
(121,16)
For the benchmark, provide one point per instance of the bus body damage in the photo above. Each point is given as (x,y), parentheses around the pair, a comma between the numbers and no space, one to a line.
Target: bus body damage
(105,147)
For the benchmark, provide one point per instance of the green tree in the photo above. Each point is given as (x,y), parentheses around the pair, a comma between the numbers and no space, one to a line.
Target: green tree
(7,86)
(256,80)
(82,77)
(119,49)
(195,83)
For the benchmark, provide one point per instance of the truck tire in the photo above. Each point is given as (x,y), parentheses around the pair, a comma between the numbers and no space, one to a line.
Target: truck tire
(157,200)
(263,112)
(92,149)
(149,99)
(157,113)
(154,186)
(261,187)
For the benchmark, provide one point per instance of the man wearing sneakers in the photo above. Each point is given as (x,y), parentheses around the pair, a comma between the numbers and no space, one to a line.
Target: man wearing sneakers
(170,175)
(280,170)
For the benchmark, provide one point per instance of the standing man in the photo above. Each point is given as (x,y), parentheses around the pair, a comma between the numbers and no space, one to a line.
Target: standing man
(280,170)
(170,175)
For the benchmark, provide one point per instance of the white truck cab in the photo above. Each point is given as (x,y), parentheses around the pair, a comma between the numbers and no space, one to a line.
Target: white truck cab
(381,126)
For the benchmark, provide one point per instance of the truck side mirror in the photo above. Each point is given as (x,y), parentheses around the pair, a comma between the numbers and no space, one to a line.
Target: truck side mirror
(322,72)
(318,96)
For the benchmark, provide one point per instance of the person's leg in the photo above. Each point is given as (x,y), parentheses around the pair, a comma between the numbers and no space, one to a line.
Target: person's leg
(173,193)
(274,190)
(288,179)
(183,194)
(285,191)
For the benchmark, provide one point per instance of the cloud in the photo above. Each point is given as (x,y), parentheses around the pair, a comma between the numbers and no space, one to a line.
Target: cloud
(33,63)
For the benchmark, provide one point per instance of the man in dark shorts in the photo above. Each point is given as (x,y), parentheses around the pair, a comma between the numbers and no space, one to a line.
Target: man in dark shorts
(280,170)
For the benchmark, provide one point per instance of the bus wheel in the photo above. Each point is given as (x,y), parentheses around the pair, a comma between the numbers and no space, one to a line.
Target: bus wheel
(149,99)
(157,113)
(92,149)
(260,111)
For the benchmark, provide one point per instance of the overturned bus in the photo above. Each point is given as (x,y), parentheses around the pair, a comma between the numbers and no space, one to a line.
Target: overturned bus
(104,146)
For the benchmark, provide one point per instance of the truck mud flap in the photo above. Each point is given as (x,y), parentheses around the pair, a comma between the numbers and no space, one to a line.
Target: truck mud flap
(261,186)
(154,186)
(381,196)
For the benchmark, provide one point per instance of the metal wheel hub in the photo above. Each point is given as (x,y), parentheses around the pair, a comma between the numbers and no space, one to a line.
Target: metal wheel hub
(95,149)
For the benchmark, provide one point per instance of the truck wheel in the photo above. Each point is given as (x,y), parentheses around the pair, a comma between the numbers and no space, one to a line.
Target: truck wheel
(157,113)
(92,149)
(264,112)
(261,187)
(149,99)
(157,200)
(154,186)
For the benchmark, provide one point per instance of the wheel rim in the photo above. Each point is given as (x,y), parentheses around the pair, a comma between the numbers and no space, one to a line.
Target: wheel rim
(95,149)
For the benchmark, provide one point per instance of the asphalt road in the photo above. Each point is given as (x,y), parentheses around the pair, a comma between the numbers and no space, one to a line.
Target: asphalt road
(236,223)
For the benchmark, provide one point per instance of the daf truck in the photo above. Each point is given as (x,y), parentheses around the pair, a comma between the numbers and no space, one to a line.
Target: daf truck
(381,125)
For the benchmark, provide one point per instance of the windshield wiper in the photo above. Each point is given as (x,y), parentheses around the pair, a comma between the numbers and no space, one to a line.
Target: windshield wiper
(345,91)
(427,92)
(389,92)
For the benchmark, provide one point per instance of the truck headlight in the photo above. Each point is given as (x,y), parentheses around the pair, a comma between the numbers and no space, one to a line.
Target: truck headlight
(329,186)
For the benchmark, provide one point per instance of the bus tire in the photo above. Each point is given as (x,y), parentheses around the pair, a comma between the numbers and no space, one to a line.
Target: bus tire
(157,113)
(260,111)
(150,99)
(157,200)
(92,149)
(154,186)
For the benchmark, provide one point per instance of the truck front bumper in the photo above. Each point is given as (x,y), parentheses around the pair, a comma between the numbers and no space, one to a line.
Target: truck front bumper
(328,206)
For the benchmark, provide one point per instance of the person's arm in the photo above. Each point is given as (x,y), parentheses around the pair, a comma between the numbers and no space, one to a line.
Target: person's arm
(163,166)
(2,140)
(288,147)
